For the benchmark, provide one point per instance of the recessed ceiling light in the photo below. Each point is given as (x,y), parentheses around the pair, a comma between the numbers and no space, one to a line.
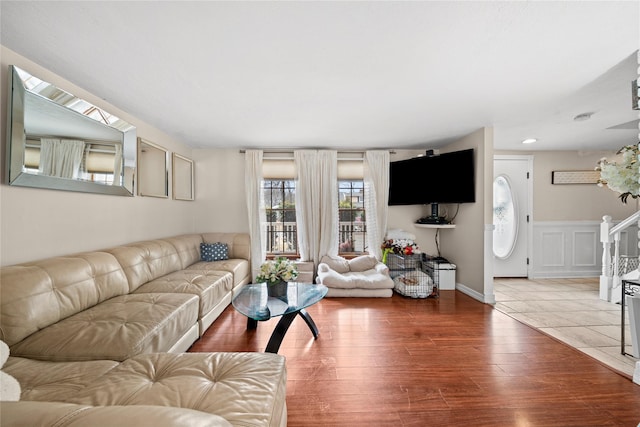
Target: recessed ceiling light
(529,141)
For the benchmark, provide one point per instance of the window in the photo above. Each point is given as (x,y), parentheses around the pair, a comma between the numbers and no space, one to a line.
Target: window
(47,90)
(279,190)
(98,160)
(352,227)
(280,208)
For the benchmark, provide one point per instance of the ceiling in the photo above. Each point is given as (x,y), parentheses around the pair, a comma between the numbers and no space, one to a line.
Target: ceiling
(348,75)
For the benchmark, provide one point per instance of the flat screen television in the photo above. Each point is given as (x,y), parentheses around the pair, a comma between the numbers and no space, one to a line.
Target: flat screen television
(433,179)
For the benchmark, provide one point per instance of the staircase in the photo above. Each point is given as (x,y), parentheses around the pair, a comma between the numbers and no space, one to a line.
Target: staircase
(615,267)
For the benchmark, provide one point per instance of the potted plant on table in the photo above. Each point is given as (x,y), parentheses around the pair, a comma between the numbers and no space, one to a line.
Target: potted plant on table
(276,273)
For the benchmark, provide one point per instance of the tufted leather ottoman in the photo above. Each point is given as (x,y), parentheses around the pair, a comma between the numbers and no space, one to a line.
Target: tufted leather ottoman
(242,388)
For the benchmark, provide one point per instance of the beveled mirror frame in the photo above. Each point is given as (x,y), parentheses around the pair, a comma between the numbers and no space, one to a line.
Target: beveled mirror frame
(54,118)
(182,174)
(153,169)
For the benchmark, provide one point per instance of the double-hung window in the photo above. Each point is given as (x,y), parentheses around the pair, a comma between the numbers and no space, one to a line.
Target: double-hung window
(352,219)
(279,199)
(280,210)
(352,225)
(279,195)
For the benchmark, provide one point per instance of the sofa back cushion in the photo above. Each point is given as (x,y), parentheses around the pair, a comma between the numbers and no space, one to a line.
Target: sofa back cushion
(38,294)
(146,261)
(188,248)
(239,243)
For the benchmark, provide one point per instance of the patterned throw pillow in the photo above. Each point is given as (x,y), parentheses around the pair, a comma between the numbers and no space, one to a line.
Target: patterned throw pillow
(214,251)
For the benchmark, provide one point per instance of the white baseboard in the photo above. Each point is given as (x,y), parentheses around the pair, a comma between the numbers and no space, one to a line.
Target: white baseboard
(564,274)
(487,299)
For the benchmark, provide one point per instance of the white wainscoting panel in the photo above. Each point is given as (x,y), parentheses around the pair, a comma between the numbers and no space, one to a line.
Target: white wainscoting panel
(585,253)
(553,242)
(573,248)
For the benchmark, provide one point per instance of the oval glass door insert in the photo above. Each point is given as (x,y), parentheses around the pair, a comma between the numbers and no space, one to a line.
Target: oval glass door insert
(505,219)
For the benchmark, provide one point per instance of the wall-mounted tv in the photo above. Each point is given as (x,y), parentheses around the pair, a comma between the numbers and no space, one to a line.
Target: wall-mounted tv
(431,179)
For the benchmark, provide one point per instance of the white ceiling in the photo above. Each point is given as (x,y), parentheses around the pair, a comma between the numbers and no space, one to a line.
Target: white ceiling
(348,75)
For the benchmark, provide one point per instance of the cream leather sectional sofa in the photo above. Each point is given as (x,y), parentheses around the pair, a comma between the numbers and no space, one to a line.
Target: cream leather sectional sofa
(100,330)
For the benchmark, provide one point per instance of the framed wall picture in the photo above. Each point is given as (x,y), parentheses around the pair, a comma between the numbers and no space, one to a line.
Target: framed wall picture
(575,177)
(183,188)
(153,169)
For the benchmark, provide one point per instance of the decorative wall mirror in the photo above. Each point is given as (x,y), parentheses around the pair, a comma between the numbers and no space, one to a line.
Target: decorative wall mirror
(153,169)
(59,141)
(182,178)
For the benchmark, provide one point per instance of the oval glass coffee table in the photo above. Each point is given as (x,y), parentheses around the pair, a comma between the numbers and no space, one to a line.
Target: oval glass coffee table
(254,302)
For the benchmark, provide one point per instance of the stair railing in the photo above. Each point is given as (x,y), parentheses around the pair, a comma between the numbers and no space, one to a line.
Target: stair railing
(610,280)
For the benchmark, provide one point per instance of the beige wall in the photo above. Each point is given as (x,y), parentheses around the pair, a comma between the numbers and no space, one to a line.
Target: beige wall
(464,245)
(220,197)
(574,202)
(36,223)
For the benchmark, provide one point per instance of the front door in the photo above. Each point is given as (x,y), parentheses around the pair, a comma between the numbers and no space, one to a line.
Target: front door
(511,215)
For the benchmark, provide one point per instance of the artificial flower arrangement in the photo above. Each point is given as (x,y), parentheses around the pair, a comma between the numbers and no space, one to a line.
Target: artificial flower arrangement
(398,246)
(623,177)
(278,270)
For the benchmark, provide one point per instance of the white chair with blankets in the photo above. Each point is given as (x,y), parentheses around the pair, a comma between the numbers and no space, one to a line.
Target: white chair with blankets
(363,276)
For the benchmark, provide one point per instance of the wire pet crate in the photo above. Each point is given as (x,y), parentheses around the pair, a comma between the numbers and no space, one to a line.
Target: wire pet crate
(413,276)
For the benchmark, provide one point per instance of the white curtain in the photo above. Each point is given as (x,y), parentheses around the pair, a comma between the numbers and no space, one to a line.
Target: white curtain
(255,208)
(307,227)
(317,203)
(376,196)
(61,158)
(328,206)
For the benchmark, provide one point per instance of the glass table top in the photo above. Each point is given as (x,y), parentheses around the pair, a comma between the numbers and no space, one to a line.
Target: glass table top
(254,302)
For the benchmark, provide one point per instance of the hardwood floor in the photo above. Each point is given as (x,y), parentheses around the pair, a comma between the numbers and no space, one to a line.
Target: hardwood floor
(449,361)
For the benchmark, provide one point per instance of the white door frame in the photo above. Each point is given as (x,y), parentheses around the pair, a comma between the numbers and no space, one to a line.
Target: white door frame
(529,225)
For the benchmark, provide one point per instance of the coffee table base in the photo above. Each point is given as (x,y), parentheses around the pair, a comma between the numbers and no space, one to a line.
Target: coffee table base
(283,326)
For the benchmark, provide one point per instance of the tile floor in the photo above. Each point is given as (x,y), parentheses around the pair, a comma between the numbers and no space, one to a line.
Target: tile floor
(571,311)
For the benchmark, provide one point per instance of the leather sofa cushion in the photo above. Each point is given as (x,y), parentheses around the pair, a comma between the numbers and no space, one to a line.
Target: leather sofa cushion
(38,294)
(239,243)
(20,414)
(188,248)
(143,262)
(246,389)
(44,380)
(238,267)
(209,286)
(115,329)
